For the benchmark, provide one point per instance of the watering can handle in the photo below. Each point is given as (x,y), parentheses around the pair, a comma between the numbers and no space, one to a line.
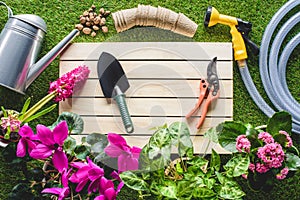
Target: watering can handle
(9,11)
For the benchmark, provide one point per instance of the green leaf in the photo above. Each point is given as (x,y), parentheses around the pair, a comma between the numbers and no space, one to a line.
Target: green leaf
(70,145)
(144,160)
(82,151)
(179,169)
(230,190)
(212,135)
(134,181)
(203,192)
(228,132)
(169,190)
(26,105)
(39,114)
(74,121)
(185,189)
(199,163)
(215,161)
(180,135)
(280,121)
(292,161)
(94,138)
(237,165)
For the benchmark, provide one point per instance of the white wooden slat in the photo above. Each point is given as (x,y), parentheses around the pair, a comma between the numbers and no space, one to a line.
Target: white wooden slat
(157,69)
(145,125)
(149,50)
(156,88)
(201,144)
(145,107)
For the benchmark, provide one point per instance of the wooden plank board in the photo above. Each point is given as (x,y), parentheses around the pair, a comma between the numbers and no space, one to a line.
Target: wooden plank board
(164,79)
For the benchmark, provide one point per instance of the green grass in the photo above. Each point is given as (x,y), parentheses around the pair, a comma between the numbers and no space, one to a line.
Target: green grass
(61,16)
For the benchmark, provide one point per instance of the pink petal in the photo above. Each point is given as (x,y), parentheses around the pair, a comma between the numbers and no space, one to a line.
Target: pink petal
(113,151)
(21,148)
(136,152)
(95,173)
(110,194)
(121,184)
(101,197)
(26,131)
(94,186)
(45,135)
(78,164)
(81,185)
(41,151)
(60,133)
(116,139)
(30,145)
(132,164)
(60,160)
(56,191)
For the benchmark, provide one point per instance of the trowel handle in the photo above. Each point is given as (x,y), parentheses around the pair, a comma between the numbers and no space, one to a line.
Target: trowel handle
(120,99)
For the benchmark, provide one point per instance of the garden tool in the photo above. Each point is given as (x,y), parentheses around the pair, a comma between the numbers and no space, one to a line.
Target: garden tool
(209,89)
(20,44)
(114,83)
(239,30)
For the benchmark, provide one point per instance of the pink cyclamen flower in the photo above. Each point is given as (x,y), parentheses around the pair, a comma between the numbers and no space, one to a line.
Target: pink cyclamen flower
(283,173)
(261,168)
(289,142)
(242,143)
(60,192)
(52,141)
(69,82)
(107,190)
(266,137)
(87,172)
(26,141)
(127,156)
(271,154)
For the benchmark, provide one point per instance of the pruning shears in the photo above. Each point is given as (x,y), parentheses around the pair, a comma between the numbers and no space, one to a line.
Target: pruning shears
(209,88)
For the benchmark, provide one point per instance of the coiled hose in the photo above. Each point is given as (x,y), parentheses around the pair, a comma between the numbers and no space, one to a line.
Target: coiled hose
(273,66)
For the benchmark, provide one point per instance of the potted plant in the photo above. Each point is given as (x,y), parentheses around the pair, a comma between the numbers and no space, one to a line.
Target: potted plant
(187,177)
(269,149)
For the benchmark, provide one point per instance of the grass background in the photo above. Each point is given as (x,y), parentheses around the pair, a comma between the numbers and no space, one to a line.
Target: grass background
(61,16)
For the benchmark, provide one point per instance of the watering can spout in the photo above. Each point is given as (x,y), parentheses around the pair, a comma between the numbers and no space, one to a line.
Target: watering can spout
(37,68)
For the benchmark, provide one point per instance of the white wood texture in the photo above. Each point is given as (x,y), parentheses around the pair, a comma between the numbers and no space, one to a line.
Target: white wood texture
(164,82)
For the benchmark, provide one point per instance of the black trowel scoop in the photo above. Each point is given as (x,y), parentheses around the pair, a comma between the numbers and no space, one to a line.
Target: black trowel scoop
(114,83)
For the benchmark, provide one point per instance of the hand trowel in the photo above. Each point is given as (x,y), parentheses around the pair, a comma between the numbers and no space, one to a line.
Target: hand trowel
(114,84)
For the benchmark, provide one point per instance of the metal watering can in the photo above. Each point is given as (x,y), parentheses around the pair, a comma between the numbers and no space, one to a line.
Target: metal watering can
(20,43)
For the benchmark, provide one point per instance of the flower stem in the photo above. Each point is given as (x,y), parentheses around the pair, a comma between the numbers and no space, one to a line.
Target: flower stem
(38,106)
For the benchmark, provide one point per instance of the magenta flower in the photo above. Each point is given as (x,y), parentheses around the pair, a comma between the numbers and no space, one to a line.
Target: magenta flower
(107,190)
(271,154)
(266,137)
(52,141)
(65,85)
(11,121)
(60,192)
(127,156)
(251,167)
(261,168)
(283,173)
(242,143)
(87,172)
(289,142)
(26,141)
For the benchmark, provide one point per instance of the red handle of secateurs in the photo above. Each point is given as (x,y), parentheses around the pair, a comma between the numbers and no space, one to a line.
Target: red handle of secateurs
(209,99)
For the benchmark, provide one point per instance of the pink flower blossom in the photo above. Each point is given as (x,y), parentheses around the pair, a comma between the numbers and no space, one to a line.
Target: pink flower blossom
(87,172)
(11,121)
(289,142)
(107,190)
(283,173)
(52,141)
(261,168)
(26,141)
(271,154)
(69,82)
(251,167)
(61,192)
(127,156)
(242,143)
(266,137)
(245,176)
